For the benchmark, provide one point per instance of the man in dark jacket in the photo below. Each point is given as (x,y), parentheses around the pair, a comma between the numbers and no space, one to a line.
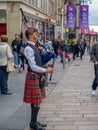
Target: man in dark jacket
(55,44)
(94,58)
(63,48)
(14,49)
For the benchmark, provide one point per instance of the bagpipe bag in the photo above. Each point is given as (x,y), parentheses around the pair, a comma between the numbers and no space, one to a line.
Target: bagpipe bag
(47,56)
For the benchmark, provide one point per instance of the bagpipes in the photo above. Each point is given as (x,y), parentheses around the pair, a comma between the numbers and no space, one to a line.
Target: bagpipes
(46,56)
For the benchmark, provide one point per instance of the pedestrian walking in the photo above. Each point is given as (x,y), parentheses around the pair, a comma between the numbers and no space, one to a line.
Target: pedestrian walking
(94,58)
(14,45)
(20,49)
(5,54)
(74,48)
(63,49)
(84,45)
(55,44)
(34,91)
(46,45)
(81,48)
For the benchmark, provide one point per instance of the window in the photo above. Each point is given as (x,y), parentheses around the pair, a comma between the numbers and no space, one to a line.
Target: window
(29,1)
(2,16)
(32,2)
(35,2)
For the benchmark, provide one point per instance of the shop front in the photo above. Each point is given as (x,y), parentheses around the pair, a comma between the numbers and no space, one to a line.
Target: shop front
(50,31)
(46,29)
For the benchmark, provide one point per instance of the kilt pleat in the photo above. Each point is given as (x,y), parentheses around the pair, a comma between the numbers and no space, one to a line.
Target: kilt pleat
(32,92)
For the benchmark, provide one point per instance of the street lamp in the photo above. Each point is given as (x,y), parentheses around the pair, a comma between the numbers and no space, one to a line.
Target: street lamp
(77,19)
(62,16)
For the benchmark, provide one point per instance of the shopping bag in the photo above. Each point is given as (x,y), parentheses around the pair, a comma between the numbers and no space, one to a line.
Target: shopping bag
(10,66)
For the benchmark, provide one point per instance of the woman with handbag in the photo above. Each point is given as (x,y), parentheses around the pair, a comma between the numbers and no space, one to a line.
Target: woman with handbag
(5,54)
(33,92)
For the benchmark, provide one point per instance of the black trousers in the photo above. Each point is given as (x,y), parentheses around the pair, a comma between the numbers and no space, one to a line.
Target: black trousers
(95,81)
(22,61)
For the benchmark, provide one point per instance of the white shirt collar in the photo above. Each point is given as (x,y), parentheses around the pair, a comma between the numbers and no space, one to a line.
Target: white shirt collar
(33,43)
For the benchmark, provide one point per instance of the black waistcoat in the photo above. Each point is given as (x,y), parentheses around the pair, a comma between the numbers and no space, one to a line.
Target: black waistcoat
(37,56)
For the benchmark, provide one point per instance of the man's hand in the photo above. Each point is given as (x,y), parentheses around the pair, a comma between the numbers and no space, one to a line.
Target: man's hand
(49,69)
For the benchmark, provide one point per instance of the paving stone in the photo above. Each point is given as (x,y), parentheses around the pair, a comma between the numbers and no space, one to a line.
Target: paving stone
(88,127)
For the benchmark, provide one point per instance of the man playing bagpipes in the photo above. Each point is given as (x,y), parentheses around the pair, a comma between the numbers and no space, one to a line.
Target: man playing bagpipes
(34,90)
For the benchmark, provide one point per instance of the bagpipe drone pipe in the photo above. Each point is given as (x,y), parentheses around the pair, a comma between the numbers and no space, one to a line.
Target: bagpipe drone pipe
(46,57)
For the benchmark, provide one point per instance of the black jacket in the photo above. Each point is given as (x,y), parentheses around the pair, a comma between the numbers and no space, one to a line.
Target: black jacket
(94,52)
(14,44)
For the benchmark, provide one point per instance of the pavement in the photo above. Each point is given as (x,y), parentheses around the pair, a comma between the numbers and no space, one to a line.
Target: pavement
(69,104)
(14,113)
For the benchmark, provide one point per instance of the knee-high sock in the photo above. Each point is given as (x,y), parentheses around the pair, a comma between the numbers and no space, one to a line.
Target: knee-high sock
(34,113)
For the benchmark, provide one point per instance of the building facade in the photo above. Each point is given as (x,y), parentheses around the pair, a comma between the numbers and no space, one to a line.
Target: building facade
(59,4)
(38,13)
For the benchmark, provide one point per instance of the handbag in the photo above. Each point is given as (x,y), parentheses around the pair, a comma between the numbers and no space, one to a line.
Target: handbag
(10,66)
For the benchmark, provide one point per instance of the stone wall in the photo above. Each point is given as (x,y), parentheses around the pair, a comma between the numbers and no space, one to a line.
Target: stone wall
(13,21)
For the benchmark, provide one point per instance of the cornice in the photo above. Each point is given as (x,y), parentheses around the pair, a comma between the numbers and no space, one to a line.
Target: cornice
(25,3)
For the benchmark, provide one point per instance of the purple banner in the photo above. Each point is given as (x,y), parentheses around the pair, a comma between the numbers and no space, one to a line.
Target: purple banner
(84,16)
(70,16)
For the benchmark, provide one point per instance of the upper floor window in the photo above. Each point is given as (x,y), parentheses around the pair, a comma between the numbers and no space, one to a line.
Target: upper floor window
(2,16)
(32,2)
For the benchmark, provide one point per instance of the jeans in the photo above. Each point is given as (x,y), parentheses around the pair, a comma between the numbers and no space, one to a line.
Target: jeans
(3,79)
(15,58)
(22,61)
(95,81)
(61,55)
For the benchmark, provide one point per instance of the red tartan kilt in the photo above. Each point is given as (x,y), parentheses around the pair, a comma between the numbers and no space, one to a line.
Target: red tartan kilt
(32,92)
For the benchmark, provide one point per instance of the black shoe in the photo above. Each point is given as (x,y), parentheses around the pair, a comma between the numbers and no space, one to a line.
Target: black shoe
(42,124)
(7,93)
(73,58)
(36,126)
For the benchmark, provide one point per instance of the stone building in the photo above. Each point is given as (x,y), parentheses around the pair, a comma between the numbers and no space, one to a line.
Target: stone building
(38,13)
(59,6)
